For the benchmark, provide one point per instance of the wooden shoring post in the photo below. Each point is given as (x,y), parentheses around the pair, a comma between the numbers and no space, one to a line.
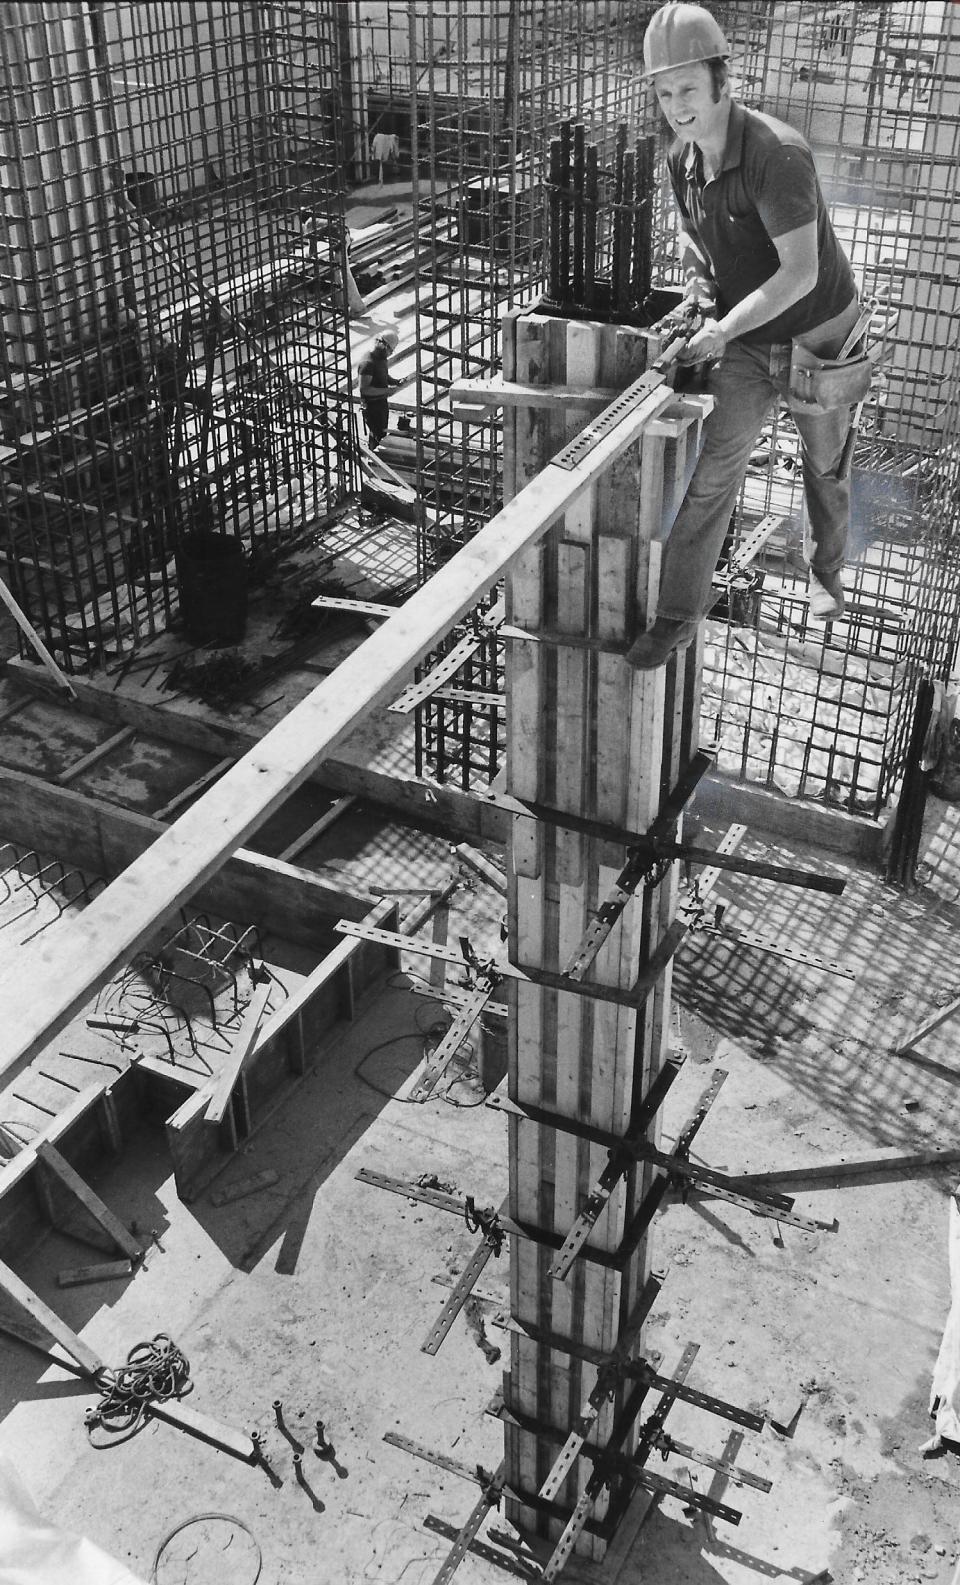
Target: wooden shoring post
(587,736)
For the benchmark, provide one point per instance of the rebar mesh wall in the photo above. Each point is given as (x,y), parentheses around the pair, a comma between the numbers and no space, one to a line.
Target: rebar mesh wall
(874,87)
(175,354)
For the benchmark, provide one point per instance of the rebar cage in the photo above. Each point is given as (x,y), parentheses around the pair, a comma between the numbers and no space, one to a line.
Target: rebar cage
(173,357)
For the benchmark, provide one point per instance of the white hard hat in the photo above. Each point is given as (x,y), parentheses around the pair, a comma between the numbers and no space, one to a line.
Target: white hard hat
(680,34)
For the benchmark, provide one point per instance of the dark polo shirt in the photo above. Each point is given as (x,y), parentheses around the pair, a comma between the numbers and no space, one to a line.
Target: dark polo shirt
(767,185)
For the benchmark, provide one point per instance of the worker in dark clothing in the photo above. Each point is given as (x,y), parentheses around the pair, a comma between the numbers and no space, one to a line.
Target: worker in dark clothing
(376,383)
(764,268)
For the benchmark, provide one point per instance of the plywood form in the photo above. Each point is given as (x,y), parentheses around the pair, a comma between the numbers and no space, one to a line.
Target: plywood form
(589,736)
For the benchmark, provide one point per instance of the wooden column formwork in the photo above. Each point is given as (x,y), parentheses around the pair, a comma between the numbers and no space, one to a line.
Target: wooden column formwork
(589,736)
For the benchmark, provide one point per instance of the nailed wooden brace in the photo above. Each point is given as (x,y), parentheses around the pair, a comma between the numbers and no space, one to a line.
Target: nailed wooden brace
(92,1207)
(232,1071)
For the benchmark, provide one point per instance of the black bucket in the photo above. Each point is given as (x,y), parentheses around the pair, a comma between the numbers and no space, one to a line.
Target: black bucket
(212,575)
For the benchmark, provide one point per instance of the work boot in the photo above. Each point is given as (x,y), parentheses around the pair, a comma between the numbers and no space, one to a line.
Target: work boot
(825,596)
(667,635)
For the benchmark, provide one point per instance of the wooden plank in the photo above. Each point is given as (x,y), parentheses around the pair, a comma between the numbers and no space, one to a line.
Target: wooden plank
(50,1157)
(204,1427)
(239,1053)
(87,761)
(27,628)
(177,802)
(104,839)
(106,1271)
(483,866)
(577,397)
(57,973)
(24,1314)
(192,1142)
(252,1185)
(883,1158)
(933,1022)
(306,838)
(25,1161)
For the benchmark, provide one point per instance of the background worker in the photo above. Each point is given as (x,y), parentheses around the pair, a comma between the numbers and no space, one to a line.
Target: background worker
(376,383)
(762,263)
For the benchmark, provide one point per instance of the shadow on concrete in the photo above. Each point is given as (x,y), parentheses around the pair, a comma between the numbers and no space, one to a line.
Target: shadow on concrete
(129,1185)
(316,1123)
(834,1039)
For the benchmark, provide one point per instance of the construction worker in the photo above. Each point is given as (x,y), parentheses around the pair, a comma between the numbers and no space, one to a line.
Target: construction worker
(763,268)
(376,383)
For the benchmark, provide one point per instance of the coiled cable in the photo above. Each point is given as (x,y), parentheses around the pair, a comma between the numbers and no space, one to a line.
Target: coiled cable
(153,1371)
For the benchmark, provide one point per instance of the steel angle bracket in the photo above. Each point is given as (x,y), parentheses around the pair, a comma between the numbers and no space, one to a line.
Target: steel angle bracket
(488,1223)
(754,941)
(670,942)
(678,1172)
(648,861)
(665,1445)
(662,1486)
(531,1112)
(749,550)
(449,664)
(609,1376)
(447,1048)
(621,1159)
(492,1491)
(622,1156)
(644,1372)
(471,1003)
(604,1470)
(652,1438)
(330,602)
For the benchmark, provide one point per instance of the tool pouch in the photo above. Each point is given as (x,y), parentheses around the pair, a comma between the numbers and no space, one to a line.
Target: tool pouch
(819,385)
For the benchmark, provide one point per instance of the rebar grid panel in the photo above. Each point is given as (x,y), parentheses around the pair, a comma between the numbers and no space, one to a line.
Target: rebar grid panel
(38,889)
(827,714)
(173,328)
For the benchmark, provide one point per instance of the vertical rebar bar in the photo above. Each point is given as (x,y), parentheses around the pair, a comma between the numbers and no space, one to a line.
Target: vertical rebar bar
(579,174)
(616,267)
(591,204)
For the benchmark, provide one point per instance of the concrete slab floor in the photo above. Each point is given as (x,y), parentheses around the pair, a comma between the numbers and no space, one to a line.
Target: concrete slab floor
(319,1289)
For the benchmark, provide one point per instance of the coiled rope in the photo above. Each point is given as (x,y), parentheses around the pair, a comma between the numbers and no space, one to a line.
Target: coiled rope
(153,1371)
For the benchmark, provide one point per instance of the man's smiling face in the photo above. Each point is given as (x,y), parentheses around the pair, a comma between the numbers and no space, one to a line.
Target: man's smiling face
(685,94)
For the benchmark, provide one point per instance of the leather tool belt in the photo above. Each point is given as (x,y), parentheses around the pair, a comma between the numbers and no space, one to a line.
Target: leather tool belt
(819,385)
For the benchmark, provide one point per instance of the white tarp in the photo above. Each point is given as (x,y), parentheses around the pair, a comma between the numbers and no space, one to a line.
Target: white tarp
(35,1552)
(945,1391)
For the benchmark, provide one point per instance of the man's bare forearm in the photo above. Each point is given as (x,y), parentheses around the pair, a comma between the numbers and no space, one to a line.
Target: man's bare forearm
(766,302)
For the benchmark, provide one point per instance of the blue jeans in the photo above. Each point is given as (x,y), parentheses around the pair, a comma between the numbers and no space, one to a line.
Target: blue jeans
(747,383)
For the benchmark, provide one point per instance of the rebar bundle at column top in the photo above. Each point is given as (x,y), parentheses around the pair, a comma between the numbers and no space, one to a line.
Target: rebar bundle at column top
(600,225)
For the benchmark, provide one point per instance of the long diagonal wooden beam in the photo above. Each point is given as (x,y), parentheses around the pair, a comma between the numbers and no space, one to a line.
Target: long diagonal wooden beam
(54,978)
